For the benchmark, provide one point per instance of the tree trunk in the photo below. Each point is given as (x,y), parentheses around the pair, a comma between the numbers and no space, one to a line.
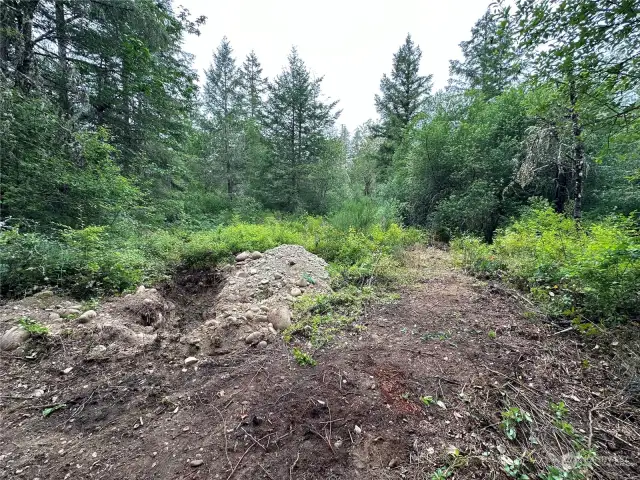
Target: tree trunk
(578,151)
(62,39)
(25,12)
(5,24)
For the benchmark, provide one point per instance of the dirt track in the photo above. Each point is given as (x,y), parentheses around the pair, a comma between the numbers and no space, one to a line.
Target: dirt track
(256,414)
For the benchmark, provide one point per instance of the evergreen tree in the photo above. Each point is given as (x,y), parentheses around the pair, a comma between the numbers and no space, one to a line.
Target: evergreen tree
(297,123)
(491,61)
(223,104)
(402,96)
(254,87)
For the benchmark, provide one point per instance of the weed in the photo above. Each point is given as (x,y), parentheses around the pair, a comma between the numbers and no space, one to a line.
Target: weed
(456,460)
(32,326)
(511,419)
(559,409)
(492,334)
(441,474)
(514,468)
(321,317)
(565,427)
(427,400)
(49,410)
(436,336)
(303,358)
(577,469)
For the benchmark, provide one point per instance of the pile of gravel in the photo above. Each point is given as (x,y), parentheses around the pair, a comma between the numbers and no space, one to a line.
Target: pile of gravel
(255,302)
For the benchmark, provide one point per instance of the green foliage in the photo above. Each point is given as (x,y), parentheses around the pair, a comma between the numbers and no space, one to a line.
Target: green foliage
(362,214)
(512,419)
(587,272)
(49,410)
(320,317)
(303,359)
(576,469)
(427,400)
(559,409)
(100,260)
(514,468)
(33,327)
(492,334)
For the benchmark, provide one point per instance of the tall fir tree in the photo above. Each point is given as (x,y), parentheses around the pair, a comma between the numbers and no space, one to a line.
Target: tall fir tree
(223,107)
(491,60)
(402,96)
(254,87)
(297,123)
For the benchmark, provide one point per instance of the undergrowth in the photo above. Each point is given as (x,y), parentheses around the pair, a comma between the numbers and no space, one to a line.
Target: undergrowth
(101,260)
(586,272)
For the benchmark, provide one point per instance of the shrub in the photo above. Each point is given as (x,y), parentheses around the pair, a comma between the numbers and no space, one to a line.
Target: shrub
(584,271)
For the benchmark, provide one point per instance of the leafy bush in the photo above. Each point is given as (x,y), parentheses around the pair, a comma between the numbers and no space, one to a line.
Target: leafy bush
(587,271)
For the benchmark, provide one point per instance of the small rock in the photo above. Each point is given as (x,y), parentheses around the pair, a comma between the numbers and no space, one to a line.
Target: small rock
(88,315)
(13,338)
(54,316)
(277,276)
(291,261)
(196,463)
(140,289)
(38,392)
(250,314)
(338,444)
(280,318)
(357,429)
(295,292)
(253,338)
(394,463)
(262,344)
(253,271)
(302,283)
(261,318)
(97,351)
(242,274)
(264,281)
(256,255)
(255,309)
(241,257)
(67,371)
(190,360)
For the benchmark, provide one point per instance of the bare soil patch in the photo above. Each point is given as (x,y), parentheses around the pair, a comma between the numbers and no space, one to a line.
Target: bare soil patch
(250,413)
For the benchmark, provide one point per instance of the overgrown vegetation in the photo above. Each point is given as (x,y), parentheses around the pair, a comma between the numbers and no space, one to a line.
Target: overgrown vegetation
(587,272)
(104,260)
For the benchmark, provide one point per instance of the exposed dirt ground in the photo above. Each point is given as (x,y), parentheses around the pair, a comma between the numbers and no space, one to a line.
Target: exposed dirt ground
(256,414)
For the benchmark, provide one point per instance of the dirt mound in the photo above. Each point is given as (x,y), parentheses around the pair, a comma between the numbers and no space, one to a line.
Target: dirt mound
(255,299)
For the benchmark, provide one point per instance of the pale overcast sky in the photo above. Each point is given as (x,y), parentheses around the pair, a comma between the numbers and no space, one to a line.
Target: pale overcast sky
(350,42)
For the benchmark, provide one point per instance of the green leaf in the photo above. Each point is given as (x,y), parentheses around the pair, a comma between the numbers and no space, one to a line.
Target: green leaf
(48,411)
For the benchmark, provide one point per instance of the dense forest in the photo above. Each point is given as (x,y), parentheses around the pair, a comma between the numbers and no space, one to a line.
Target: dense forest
(116,166)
